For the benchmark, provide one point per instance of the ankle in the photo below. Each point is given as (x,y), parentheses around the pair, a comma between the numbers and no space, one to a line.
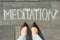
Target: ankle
(24,31)
(34,30)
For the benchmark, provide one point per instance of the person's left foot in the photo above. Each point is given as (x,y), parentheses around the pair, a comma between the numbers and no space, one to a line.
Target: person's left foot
(24,29)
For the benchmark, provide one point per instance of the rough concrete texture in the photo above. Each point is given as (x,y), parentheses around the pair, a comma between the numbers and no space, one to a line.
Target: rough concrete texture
(29,0)
(9,29)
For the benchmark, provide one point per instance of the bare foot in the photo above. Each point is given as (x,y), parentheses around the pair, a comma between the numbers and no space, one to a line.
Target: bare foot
(24,30)
(34,30)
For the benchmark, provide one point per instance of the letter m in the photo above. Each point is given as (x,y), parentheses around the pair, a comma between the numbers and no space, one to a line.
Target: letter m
(6,13)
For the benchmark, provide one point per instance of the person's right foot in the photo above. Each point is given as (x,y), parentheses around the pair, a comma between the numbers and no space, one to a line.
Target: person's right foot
(34,29)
